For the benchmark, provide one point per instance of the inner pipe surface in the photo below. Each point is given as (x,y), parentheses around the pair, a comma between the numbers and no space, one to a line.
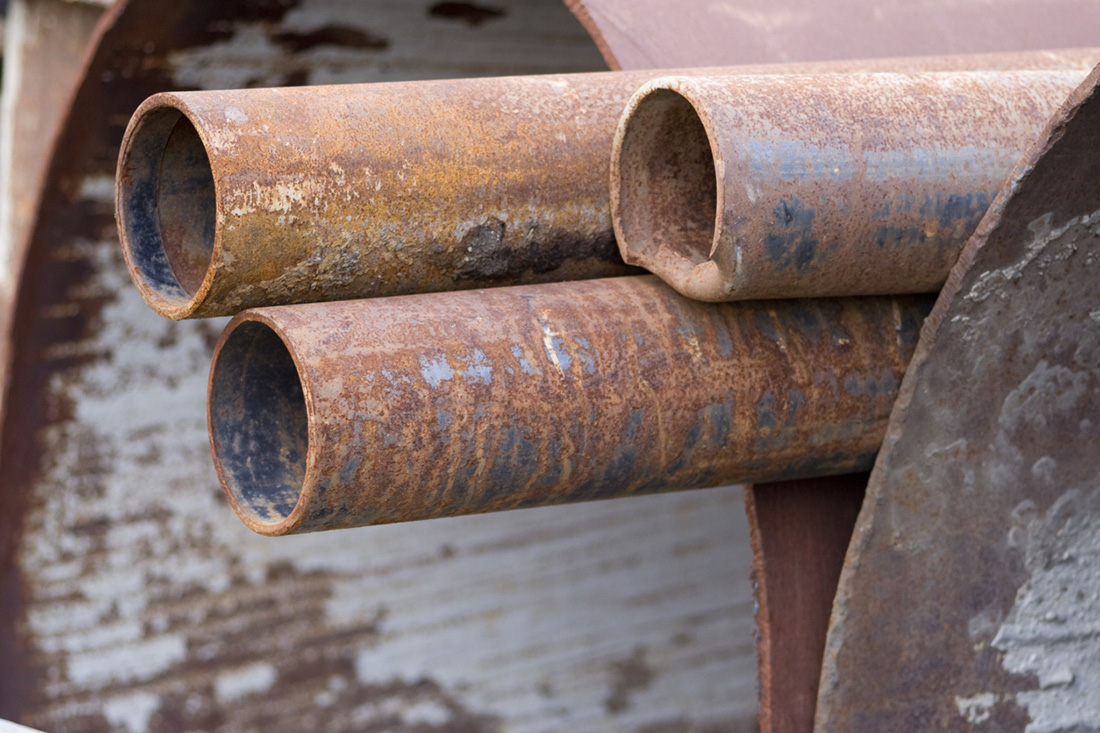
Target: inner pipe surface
(668,191)
(186,205)
(259,424)
(168,205)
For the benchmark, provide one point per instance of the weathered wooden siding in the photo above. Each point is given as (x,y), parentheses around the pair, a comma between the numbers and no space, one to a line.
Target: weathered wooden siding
(147,606)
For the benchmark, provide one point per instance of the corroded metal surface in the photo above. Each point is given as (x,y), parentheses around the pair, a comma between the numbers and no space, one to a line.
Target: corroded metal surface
(653,34)
(234,199)
(741,187)
(646,34)
(132,599)
(343,414)
(971,592)
(799,532)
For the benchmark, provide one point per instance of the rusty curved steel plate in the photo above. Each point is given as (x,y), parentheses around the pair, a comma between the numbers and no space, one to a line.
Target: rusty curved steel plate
(970,595)
(653,34)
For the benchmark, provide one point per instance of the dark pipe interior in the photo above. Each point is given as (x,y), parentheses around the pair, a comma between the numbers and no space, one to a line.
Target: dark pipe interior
(668,191)
(186,208)
(169,204)
(258,422)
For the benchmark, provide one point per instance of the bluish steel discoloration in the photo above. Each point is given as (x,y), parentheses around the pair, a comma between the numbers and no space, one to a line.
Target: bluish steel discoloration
(790,242)
(525,366)
(766,416)
(141,219)
(443,420)
(827,185)
(622,468)
(477,368)
(584,356)
(777,420)
(875,385)
(435,370)
(792,161)
(939,220)
(639,393)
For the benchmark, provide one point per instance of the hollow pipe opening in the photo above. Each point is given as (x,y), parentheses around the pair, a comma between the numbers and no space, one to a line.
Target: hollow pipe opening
(259,423)
(668,191)
(167,205)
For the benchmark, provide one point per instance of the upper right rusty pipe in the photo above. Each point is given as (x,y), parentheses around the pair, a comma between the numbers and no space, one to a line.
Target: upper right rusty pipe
(740,187)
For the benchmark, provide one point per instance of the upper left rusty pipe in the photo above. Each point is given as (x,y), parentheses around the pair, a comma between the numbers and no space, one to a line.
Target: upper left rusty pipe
(231,199)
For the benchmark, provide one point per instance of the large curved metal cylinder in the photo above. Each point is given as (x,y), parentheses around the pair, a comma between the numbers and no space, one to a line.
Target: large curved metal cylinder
(335,415)
(233,199)
(738,187)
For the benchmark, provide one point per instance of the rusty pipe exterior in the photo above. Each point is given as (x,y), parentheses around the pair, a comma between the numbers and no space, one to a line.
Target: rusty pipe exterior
(230,199)
(737,187)
(242,198)
(345,414)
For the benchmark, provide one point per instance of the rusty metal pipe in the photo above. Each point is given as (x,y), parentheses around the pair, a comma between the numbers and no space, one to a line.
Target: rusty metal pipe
(344,414)
(738,187)
(242,198)
(230,199)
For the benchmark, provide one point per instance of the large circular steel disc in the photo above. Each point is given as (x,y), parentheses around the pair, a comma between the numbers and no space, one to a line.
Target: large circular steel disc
(970,596)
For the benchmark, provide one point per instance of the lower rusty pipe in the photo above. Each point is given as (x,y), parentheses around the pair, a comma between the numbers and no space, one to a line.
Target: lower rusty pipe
(242,198)
(345,414)
(738,187)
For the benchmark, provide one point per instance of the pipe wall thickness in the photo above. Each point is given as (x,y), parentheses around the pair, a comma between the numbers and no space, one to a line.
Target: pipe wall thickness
(737,187)
(344,414)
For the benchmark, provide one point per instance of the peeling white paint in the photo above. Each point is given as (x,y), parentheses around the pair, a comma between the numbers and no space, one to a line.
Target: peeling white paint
(1043,234)
(533,37)
(1053,629)
(131,662)
(976,709)
(100,189)
(418,629)
(251,680)
(131,712)
(425,712)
